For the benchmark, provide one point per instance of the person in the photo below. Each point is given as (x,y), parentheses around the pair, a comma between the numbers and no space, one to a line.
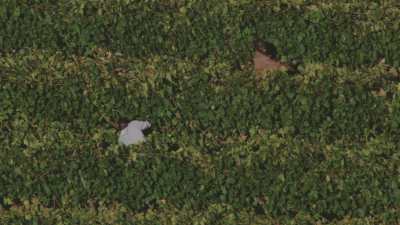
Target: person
(132,132)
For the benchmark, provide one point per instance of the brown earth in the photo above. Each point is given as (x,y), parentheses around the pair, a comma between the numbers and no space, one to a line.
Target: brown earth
(264,60)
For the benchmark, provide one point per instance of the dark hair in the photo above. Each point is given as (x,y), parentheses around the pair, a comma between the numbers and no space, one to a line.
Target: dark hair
(122,123)
(266,48)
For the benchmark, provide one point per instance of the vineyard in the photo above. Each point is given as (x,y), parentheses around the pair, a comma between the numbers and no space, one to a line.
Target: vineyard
(319,144)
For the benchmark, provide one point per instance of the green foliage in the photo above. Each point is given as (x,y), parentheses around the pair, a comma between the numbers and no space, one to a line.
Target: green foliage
(315,147)
(351,33)
(228,146)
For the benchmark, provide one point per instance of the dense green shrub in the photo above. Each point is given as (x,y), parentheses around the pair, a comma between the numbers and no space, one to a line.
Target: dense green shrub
(192,99)
(343,32)
(228,146)
(33,212)
(318,146)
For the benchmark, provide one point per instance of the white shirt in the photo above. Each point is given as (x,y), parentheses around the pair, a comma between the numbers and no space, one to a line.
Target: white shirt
(133,133)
